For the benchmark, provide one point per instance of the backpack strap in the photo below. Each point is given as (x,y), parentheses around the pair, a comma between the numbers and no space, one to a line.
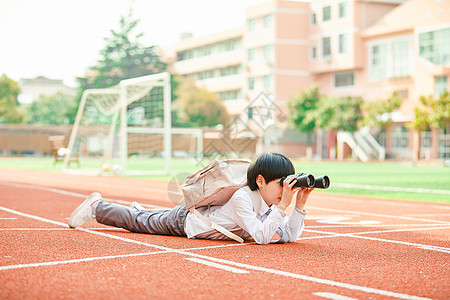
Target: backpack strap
(256,198)
(216,226)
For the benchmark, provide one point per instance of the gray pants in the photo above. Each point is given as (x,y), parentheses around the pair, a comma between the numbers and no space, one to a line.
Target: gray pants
(153,221)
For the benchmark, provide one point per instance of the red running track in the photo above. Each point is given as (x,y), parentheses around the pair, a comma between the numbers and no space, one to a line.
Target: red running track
(352,248)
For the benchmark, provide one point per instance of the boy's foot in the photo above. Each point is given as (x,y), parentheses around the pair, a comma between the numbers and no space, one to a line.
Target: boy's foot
(136,206)
(84,213)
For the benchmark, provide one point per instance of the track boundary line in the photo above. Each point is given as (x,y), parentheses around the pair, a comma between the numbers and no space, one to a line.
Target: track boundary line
(391,188)
(356,235)
(216,265)
(375,215)
(374,225)
(333,296)
(233,263)
(78,260)
(381,231)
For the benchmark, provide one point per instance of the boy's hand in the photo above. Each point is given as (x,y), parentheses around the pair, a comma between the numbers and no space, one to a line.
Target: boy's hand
(302,197)
(288,192)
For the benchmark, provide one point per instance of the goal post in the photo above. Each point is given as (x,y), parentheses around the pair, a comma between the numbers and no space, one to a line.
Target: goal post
(110,128)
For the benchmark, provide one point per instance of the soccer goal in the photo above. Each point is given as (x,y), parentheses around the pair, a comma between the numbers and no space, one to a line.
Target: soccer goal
(124,129)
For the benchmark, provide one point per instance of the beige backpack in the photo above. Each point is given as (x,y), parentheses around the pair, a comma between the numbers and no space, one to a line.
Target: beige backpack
(214,185)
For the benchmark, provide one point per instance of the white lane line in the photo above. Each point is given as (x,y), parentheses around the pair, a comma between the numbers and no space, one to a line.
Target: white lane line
(8,218)
(420,246)
(359,235)
(391,188)
(216,265)
(381,231)
(71,261)
(427,215)
(33,229)
(315,280)
(440,207)
(375,225)
(375,215)
(245,266)
(333,296)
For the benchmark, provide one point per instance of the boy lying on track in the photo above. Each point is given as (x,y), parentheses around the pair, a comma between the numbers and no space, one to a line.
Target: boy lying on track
(263,177)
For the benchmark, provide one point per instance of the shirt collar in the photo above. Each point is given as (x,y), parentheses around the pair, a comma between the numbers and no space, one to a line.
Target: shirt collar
(264,207)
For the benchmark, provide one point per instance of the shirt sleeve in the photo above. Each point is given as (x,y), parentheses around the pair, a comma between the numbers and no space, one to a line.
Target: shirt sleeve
(291,228)
(245,217)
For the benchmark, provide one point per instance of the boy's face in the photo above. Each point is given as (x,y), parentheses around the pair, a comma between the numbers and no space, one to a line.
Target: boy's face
(271,192)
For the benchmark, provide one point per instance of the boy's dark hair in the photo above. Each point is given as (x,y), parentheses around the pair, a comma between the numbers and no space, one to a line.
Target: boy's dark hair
(271,166)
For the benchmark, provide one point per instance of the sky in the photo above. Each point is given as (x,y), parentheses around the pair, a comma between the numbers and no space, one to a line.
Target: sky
(60,39)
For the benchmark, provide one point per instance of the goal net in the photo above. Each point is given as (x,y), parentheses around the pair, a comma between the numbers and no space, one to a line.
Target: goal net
(124,129)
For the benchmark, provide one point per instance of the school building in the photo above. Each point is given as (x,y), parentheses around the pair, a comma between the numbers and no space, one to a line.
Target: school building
(363,48)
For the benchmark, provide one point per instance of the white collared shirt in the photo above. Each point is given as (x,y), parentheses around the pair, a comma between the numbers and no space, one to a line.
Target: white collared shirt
(238,213)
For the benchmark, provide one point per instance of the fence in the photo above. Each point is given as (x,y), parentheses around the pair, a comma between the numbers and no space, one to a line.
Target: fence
(23,139)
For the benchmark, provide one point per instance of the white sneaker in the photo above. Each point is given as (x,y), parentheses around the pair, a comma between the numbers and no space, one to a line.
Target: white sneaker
(84,213)
(137,206)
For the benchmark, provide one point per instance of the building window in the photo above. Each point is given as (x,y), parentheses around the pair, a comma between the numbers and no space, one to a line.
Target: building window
(230,70)
(344,79)
(250,113)
(444,144)
(267,83)
(251,83)
(268,20)
(440,86)
(268,53)
(326,13)
(313,19)
(220,47)
(229,45)
(326,47)
(402,94)
(343,9)
(425,140)
(390,59)
(378,61)
(399,138)
(251,25)
(434,46)
(400,58)
(204,51)
(229,95)
(343,43)
(184,55)
(251,54)
(313,52)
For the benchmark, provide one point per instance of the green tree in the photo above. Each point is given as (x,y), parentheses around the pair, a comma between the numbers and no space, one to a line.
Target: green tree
(302,105)
(310,110)
(58,109)
(9,105)
(375,111)
(438,110)
(336,113)
(123,57)
(434,113)
(199,107)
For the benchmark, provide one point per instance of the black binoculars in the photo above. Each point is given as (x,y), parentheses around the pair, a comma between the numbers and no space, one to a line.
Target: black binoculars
(308,180)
